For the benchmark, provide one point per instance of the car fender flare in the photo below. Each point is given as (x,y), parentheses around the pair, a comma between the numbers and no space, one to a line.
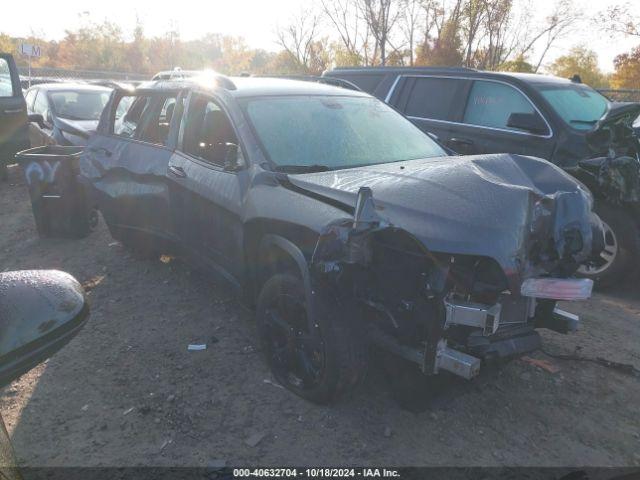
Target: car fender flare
(291,249)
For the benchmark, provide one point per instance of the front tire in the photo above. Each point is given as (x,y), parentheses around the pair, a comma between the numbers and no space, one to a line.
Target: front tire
(622,247)
(318,365)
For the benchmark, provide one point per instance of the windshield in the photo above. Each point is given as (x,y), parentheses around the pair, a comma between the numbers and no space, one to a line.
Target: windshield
(79,105)
(578,105)
(331,132)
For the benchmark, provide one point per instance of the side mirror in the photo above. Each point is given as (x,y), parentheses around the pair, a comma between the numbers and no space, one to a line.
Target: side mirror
(233,159)
(40,311)
(529,122)
(37,118)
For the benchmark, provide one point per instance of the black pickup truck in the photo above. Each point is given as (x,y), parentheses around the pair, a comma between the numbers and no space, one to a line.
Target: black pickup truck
(566,122)
(14,127)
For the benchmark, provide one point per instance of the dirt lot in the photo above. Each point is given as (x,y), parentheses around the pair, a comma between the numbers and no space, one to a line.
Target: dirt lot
(127,392)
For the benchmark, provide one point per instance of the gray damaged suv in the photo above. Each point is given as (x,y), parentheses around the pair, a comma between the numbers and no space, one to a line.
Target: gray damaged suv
(343,224)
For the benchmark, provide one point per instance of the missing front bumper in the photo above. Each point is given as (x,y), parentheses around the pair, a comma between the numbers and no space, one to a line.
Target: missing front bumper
(492,333)
(457,362)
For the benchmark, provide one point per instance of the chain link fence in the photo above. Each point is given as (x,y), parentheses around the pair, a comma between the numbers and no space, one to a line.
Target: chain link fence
(621,95)
(44,75)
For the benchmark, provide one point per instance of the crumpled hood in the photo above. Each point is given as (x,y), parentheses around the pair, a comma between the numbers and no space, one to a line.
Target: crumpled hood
(480,205)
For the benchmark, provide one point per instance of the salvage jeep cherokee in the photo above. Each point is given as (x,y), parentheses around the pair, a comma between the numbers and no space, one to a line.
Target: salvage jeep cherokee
(342,223)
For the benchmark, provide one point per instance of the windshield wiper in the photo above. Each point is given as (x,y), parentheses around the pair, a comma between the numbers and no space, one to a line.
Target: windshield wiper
(302,168)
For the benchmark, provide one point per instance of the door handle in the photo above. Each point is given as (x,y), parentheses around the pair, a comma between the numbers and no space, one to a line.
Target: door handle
(461,141)
(177,171)
(106,152)
(13,110)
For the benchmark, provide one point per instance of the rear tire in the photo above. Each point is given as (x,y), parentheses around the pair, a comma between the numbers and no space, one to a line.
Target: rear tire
(321,365)
(622,247)
(85,223)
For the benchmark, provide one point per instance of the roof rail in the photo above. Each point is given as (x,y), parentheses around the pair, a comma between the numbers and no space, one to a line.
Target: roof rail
(336,82)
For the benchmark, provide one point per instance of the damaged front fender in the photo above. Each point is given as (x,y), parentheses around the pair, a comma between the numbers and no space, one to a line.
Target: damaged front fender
(440,309)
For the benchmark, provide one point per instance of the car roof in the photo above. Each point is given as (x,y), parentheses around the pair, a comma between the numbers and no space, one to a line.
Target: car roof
(249,86)
(532,78)
(80,87)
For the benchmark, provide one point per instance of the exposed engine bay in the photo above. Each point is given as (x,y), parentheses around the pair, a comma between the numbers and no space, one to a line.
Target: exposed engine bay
(451,311)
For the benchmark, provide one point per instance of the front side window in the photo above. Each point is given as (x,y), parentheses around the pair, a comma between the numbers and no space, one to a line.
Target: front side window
(490,104)
(207,131)
(578,105)
(128,114)
(331,132)
(79,105)
(6,84)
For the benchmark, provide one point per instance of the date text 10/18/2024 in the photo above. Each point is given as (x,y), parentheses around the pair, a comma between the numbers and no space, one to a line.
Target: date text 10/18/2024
(315,473)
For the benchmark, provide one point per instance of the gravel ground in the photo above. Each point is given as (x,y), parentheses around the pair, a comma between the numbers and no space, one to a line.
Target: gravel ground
(126,391)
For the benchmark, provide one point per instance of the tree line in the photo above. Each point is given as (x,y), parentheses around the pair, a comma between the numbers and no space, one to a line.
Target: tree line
(483,34)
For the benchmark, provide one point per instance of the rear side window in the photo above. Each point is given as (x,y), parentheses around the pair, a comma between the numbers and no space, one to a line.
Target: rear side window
(6,85)
(128,115)
(156,120)
(435,98)
(490,104)
(207,131)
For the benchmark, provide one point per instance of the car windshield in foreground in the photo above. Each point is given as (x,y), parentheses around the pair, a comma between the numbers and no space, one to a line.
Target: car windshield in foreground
(578,105)
(79,105)
(317,133)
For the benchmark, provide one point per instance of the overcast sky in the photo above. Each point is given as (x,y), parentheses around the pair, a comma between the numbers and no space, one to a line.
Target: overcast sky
(256,20)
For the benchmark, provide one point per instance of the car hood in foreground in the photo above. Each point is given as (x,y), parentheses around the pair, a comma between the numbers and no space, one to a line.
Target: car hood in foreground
(490,205)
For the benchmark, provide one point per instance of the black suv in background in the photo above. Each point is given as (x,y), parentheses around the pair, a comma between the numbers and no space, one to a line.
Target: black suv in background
(563,121)
(13,114)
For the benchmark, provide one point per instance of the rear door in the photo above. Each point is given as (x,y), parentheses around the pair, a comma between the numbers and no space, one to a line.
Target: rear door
(483,126)
(131,161)
(434,104)
(13,110)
